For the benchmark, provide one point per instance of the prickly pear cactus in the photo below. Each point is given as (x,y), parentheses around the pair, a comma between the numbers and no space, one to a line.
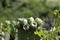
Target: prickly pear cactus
(22,29)
(27,27)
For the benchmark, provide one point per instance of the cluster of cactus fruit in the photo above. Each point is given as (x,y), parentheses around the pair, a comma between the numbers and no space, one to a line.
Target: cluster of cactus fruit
(30,23)
(27,23)
(8,29)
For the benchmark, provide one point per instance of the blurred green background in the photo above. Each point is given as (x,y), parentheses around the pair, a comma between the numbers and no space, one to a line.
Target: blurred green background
(13,9)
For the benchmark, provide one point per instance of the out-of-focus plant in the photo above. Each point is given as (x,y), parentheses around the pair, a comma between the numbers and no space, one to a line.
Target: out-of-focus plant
(56,18)
(32,22)
(59,29)
(40,23)
(8,29)
(6,26)
(47,35)
(24,23)
(42,34)
(27,25)
(56,13)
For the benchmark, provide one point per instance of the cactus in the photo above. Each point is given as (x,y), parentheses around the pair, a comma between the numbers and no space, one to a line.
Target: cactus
(32,22)
(25,27)
(31,19)
(40,23)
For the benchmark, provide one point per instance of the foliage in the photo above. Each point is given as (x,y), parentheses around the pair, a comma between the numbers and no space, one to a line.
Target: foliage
(28,28)
(12,9)
(45,9)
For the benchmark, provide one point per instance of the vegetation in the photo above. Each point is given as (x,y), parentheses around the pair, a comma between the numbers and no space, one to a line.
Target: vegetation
(30,19)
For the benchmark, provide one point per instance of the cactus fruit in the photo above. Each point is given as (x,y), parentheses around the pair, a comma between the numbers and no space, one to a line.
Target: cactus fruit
(39,21)
(26,27)
(32,22)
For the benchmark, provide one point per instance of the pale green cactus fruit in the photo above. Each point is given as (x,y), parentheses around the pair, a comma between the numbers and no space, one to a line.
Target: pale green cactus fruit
(7,22)
(32,22)
(23,21)
(20,19)
(40,22)
(26,27)
(14,22)
(31,19)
